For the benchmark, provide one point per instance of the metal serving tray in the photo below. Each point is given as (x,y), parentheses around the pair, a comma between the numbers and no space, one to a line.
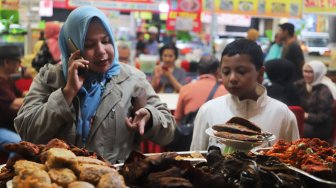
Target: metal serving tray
(257,151)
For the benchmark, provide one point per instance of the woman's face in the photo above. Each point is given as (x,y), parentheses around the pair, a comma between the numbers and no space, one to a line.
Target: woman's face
(308,74)
(168,57)
(98,48)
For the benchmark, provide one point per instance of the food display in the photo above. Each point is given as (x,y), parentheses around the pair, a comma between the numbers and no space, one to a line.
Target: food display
(314,156)
(236,170)
(239,133)
(57,164)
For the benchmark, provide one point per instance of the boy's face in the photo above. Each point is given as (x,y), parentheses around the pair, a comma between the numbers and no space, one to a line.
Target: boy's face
(240,77)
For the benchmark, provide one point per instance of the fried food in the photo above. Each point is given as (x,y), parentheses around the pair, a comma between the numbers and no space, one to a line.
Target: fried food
(60,158)
(80,184)
(111,180)
(242,137)
(62,176)
(314,156)
(92,173)
(33,175)
(31,182)
(23,148)
(90,160)
(240,129)
(56,143)
(28,165)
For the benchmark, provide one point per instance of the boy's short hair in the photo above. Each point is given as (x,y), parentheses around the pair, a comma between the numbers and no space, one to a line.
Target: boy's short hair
(290,28)
(245,46)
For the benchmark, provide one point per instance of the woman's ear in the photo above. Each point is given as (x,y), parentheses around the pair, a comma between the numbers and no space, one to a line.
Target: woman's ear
(261,72)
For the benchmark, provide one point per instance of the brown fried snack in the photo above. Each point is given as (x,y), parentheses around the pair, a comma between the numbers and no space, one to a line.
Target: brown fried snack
(26,149)
(90,160)
(28,165)
(80,184)
(6,174)
(92,173)
(32,174)
(60,158)
(31,182)
(112,180)
(56,143)
(62,176)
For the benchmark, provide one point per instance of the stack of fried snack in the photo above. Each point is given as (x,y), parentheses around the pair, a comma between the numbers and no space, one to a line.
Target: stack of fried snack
(57,164)
(238,128)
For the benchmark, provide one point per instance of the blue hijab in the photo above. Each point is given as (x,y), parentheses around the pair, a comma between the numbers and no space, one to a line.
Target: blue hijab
(76,27)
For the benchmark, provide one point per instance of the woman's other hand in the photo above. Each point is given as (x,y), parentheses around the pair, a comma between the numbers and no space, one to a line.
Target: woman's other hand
(74,81)
(139,121)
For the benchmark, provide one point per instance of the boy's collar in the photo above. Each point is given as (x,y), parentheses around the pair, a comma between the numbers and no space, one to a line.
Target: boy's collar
(260,90)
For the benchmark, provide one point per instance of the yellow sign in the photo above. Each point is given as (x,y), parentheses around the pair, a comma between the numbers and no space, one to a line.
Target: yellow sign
(258,8)
(320,6)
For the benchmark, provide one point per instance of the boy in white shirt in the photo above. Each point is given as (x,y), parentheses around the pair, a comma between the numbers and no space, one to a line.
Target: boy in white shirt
(242,72)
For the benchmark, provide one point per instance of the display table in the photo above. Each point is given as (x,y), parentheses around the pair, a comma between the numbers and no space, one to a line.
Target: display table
(170,99)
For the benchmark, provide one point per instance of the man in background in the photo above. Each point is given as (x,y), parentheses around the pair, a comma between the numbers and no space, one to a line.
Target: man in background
(124,52)
(194,94)
(291,49)
(152,45)
(11,98)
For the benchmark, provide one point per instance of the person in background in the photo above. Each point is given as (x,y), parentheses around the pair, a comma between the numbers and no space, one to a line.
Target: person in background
(279,72)
(108,108)
(189,99)
(11,98)
(141,44)
(124,52)
(167,78)
(317,101)
(275,49)
(49,51)
(152,45)
(291,50)
(242,72)
(252,34)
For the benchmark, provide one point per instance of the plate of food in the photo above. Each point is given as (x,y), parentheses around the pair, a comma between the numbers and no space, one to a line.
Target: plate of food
(312,158)
(240,134)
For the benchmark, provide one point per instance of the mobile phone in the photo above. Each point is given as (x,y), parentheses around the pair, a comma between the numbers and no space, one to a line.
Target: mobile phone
(73,48)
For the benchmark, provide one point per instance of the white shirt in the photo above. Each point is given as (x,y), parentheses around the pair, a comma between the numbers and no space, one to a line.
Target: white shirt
(269,114)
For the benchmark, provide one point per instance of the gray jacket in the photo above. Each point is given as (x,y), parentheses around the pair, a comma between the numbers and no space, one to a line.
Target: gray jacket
(45,114)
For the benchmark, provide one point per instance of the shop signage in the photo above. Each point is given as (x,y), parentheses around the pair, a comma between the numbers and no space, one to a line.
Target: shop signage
(257,8)
(125,5)
(320,7)
(46,8)
(9,4)
(184,15)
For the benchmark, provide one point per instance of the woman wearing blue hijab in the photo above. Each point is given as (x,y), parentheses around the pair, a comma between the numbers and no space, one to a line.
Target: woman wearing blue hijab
(109,109)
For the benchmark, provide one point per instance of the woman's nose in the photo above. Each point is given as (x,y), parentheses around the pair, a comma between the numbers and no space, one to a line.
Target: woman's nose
(100,48)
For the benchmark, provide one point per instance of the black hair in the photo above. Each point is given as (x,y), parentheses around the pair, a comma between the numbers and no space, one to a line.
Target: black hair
(245,46)
(290,28)
(168,46)
(208,64)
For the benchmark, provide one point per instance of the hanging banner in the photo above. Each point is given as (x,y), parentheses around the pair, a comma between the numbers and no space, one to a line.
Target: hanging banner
(125,5)
(9,4)
(258,8)
(184,15)
(327,7)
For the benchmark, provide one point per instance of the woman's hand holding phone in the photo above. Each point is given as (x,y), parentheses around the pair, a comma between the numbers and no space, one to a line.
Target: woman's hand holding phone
(74,81)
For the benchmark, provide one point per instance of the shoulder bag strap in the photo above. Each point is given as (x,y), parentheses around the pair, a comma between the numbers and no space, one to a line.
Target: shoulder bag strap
(213,91)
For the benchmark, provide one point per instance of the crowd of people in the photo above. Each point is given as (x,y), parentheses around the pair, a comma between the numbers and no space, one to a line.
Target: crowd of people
(111,106)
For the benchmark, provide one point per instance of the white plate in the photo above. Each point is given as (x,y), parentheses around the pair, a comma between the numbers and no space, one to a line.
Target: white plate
(239,144)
